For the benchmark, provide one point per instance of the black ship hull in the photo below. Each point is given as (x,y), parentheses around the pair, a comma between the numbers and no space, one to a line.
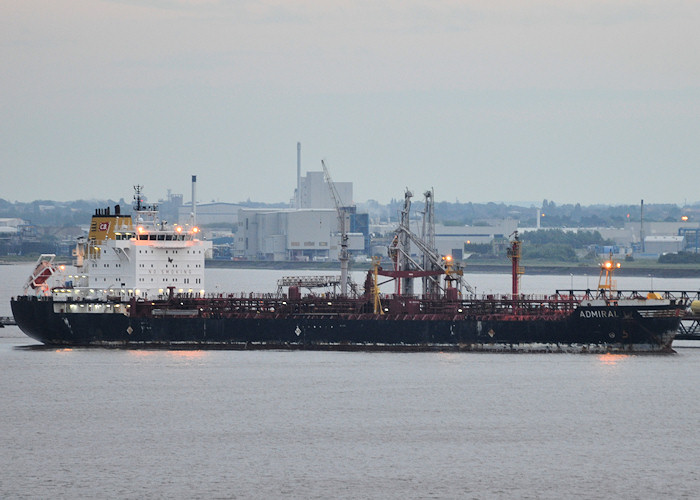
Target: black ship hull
(615,328)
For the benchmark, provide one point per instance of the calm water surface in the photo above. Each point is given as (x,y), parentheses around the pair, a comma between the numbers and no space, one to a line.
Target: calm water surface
(94,423)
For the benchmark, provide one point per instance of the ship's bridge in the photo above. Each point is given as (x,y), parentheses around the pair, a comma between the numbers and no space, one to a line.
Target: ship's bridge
(162,236)
(163,240)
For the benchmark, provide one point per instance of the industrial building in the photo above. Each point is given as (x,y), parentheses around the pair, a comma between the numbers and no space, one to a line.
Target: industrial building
(648,241)
(664,237)
(658,245)
(210,213)
(313,192)
(451,240)
(289,234)
(310,230)
(10,227)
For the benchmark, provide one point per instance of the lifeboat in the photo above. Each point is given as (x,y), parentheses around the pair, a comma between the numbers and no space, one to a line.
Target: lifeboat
(42,272)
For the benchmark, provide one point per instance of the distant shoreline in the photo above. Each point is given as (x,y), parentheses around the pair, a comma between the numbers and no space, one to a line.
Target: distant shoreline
(657,272)
(629,269)
(558,269)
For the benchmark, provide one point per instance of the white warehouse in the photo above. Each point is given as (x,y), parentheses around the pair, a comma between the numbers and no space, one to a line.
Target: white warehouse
(299,235)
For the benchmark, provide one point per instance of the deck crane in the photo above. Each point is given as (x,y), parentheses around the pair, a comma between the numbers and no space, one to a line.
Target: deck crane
(340,209)
(430,285)
(432,260)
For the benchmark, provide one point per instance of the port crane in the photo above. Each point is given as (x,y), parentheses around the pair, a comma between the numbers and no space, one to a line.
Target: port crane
(341,211)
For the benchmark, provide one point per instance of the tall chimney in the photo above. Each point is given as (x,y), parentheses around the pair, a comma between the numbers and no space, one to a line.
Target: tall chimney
(641,226)
(194,200)
(298,175)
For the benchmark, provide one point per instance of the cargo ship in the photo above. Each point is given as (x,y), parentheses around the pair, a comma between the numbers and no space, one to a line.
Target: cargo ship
(138,282)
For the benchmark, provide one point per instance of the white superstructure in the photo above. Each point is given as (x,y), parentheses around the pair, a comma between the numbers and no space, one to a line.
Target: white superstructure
(136,256)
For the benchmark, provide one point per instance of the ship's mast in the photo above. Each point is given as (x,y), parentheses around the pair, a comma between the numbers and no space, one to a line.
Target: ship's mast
(514,254)
(141,208)
(139,205)
(137,197)
(607,272)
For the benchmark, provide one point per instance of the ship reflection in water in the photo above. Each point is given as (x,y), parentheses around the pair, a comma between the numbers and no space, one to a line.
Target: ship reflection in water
(612,359)
(184,354)
(189,354)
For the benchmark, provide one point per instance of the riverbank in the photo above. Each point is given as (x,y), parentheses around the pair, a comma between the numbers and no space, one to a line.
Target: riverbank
(535,268)
(635,268)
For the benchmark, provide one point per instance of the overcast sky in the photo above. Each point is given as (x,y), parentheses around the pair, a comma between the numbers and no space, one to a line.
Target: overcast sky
(485,100)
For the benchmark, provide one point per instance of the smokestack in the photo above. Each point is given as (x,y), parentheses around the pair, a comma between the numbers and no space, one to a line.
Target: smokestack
(298,175)
(641,226)
(194,200)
